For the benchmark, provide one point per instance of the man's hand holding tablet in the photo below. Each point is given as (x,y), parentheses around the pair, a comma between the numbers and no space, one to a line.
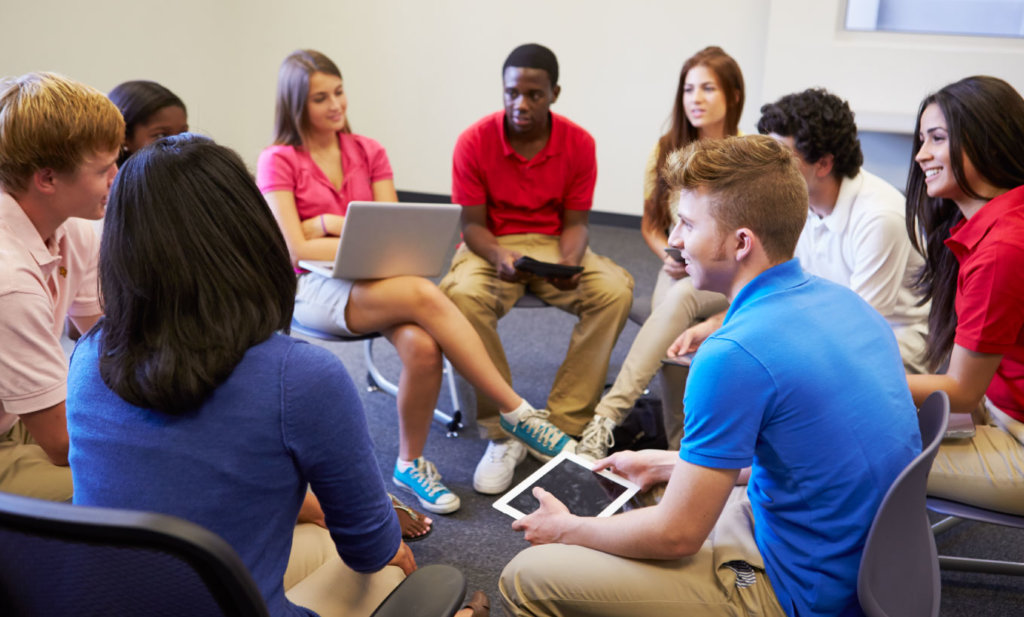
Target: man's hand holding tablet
(644,468)
(641,470)
(572,484)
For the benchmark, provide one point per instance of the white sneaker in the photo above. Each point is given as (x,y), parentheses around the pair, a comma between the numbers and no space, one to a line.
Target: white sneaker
(597,438)
(494,472)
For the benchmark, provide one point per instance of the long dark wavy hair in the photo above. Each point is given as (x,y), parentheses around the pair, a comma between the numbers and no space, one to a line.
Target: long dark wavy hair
(290,119)
(985,122)
(193,270)
(681,132)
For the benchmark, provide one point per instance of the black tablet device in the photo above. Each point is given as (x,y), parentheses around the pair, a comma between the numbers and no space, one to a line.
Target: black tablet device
(674,252)
(546,268)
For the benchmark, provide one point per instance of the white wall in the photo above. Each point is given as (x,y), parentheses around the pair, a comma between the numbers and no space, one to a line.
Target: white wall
(417,73)
(421,72)
(883,75)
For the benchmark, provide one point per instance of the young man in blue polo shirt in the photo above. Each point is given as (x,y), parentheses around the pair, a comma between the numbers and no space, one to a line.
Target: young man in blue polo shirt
(803,384)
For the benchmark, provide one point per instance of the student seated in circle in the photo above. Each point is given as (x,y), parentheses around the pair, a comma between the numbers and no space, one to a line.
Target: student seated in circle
(797,357)
(965,212)
(150,112)
(308,177)
(187,400)
(708,104)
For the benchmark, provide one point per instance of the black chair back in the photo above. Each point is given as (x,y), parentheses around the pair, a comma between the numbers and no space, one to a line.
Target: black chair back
(59,559)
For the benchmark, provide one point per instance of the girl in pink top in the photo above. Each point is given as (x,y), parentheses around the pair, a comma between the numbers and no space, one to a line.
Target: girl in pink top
(314,169)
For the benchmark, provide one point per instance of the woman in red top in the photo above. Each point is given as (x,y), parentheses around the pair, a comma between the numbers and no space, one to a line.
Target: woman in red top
(315,167)
(965,213)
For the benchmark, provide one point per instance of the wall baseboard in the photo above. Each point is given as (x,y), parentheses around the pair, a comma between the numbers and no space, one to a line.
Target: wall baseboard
(615,219)
(612,219)
(424,198)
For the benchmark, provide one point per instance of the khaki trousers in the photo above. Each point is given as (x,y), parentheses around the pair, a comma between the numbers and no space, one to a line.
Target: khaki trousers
(601,302)
(26,470)
(986,470)
(318,579)
(913,343)
(677,305)
(571,581)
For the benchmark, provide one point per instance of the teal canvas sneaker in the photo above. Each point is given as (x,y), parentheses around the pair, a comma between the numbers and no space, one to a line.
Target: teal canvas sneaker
(543,439)
(424,481)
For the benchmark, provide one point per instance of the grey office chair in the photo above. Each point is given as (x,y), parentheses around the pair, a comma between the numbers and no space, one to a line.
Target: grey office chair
(957,512)
(375,380)
(899,570)
(60,559)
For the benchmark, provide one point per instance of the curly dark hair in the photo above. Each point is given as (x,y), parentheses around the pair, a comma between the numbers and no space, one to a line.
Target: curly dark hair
(820,123)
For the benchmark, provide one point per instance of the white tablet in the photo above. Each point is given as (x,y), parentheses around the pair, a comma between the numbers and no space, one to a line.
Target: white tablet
(570,478)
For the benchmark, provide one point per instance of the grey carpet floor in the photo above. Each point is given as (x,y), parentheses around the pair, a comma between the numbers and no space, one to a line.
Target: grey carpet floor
(479,540)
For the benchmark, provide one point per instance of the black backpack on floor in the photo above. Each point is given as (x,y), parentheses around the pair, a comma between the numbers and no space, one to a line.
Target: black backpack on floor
(642,429)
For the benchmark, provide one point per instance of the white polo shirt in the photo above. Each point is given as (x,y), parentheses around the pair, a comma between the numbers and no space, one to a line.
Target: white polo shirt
(863,244)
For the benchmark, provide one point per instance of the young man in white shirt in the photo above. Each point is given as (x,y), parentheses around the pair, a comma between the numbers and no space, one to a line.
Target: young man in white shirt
(856,230)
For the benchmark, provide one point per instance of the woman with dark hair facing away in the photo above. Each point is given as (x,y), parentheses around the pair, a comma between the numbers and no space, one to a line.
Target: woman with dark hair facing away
(308,177)
(185,400)
(965,213)
(708,103)
(150,112)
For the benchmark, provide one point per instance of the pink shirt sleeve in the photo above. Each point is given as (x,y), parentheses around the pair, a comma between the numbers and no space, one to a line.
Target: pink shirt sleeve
(380,166)
(86,299)
(33,369)
(276,169)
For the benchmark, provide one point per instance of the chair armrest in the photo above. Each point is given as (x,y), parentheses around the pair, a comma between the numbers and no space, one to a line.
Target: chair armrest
(435,590)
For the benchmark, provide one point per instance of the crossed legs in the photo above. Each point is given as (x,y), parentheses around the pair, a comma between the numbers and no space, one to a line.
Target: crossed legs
(422,324)
(414,314)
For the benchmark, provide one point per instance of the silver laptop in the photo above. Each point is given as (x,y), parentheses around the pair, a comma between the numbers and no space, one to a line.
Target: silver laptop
(383,239)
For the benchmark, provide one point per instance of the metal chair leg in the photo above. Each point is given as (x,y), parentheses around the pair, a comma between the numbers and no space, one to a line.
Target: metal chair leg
(972,564)
(946,523)
(454,422)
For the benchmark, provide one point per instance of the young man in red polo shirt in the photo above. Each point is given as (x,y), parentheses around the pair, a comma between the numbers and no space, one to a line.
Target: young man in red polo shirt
(526,177)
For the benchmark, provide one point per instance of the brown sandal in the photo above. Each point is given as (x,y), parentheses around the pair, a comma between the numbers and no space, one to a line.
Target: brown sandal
(415,525)
(479,604)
